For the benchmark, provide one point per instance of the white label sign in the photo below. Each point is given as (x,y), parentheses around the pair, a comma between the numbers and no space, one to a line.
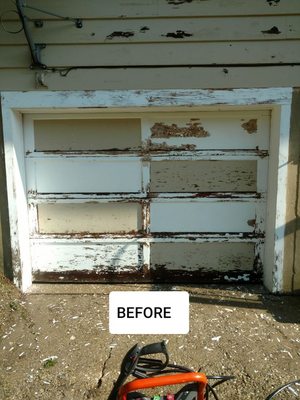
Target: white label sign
(141,312)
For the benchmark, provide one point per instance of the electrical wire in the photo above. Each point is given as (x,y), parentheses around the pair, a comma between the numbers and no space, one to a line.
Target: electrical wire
(281,388)
(2,22)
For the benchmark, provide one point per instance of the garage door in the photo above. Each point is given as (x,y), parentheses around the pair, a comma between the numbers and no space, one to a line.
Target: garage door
(168,197)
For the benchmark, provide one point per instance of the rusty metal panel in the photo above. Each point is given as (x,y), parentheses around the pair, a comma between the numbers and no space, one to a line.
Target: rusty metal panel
(86,134)
(202,216)
(204,256)
(66,218)
(83,175)
(203,176)
(85,256)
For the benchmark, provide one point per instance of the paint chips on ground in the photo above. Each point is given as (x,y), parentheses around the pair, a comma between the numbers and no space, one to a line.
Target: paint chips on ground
(153,312)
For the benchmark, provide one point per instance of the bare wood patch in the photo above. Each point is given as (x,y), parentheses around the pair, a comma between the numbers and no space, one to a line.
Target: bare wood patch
(250,126)
(192,129)
(251,222)
(150,146)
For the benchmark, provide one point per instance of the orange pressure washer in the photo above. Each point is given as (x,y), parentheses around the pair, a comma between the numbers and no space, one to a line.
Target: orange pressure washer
(158,372)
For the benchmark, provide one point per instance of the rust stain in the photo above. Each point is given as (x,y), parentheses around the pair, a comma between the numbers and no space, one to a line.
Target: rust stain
(192,129)
(250,126)
(261,153)
(272,31)
(251,222)
(165,147)
(179,34)
(95,235)
(121,34)
(145,215)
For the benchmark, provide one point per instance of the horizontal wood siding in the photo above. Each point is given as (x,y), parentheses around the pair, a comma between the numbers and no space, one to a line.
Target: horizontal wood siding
(156,54)
(158,8)
(187,29)
(154,33)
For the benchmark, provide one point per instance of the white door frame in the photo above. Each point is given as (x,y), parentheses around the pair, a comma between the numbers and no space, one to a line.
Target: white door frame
(277,100)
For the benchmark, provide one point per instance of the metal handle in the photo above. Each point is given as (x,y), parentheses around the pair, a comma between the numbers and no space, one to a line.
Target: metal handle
(147,383)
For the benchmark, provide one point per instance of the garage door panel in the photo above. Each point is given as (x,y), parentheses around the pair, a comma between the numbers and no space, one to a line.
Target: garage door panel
(101,257)
(86,134)
(203,256)
(202,216)
(141,196)
(203,176)
(89,218)
(83,175)
(242,131)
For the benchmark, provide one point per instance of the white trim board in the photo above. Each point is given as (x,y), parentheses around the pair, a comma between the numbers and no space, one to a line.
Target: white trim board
(277,100)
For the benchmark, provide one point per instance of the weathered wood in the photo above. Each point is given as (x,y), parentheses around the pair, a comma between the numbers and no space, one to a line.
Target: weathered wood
(89,217)
(153,276)
(203,176)
(82,175)
(6,262)
(111,257)
(210,99)
(158,30)
(147,78)
(155,8)
(156,78)
(202,216)
(92,134)
(156,54)
(207,131)
(221,257)
(226,219)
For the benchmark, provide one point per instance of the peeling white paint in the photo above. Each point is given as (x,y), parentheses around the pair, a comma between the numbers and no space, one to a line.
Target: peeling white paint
(138,250)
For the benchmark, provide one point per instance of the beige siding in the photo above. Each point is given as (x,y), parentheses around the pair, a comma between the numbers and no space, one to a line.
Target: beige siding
(157,54)
(159,8)
(151,30)
(185,34)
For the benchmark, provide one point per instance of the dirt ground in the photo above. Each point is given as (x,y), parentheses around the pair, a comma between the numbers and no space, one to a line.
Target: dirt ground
(55,343)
